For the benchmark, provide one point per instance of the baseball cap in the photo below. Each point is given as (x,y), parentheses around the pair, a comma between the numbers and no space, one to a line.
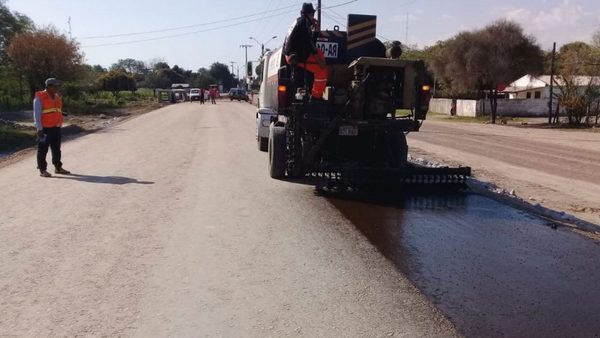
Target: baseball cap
(52,82)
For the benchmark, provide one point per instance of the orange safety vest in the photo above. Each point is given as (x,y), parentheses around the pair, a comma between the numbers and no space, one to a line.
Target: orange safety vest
(51,109)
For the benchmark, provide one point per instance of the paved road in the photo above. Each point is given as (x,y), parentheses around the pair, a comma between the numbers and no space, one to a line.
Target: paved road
(171,227)
(561,169)
(572,155)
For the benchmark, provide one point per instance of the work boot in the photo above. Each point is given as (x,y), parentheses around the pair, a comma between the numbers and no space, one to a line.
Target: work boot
(60,170)
(45,173)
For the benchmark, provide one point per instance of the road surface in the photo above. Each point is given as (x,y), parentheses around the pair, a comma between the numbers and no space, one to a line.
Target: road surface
(172,227)
(560,169)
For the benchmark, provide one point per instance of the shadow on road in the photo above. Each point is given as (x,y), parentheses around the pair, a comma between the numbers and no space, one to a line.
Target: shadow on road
(117,180)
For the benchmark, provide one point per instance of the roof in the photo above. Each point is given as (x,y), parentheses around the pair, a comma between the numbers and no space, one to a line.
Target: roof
(532,82)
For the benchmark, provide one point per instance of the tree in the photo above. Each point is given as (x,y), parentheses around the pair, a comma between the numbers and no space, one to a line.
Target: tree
(577,82)
(11,24)
(596,39)
(203,78)
(131,66)
(220,72)
(482,60)
(117,80)
(44,53)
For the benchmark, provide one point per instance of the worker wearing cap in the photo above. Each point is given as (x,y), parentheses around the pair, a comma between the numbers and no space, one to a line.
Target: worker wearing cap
(299,44)
(48,118)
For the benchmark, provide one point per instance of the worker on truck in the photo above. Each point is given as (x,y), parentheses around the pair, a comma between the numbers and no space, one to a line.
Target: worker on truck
(299,49)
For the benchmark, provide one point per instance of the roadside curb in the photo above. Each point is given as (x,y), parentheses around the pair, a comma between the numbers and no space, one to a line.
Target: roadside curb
(556,218)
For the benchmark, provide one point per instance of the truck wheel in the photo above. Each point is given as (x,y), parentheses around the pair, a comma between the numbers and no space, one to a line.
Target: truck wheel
(399,150)
(276,147)
(263,143)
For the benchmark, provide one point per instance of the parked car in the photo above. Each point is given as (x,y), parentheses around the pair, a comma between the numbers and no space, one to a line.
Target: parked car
(238,94)
(194,94)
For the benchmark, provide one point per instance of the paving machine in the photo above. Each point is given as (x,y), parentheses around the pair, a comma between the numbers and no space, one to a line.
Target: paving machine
(356,135)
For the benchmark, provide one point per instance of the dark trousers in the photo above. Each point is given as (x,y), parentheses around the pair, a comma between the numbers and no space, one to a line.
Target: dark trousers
(53,139)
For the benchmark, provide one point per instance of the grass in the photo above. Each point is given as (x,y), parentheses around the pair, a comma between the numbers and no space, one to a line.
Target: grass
(469,119)
(15,139)
(101,102)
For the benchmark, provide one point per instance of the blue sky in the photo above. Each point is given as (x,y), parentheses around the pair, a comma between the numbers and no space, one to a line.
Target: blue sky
(428,21)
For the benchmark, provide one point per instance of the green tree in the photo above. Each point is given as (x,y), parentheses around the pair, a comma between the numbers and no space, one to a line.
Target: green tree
(11,24)
(484,59)
(117,80)
(220,72)
(131,66)
(577,82)
(204,79)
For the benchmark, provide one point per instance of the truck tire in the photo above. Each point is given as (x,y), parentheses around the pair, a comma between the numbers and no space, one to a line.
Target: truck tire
(276,148)
(399,150)
(263,143)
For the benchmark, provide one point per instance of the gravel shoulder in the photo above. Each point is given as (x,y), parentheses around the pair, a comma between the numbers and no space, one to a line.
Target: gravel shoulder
(560,170)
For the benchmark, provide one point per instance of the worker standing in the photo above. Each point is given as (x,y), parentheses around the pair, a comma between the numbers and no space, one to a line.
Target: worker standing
(48,119)
(300,48)
(213,95)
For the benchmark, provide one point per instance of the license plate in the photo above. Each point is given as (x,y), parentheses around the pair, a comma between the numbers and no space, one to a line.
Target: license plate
(348,131)
(330,49)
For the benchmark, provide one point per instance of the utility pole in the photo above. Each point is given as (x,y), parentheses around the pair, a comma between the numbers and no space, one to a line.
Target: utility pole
(246,48)
(319,16)
(70,36)
(232,70)
(551,84)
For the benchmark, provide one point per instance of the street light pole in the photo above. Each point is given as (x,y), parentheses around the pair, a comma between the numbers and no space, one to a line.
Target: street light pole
(246,48)
(232,70)
(262,45)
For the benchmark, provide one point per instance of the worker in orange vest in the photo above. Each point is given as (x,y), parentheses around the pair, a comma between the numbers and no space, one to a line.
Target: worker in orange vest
(299,49)
(48,118)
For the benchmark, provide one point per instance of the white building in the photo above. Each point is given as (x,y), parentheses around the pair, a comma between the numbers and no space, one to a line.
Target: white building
(538,87)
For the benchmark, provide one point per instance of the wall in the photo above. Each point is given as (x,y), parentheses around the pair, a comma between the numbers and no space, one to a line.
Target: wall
(440,106)
(506,107)
(467,108)
(523,108)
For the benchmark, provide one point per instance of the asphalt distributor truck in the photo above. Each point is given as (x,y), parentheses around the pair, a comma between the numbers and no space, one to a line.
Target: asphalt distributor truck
(356,136)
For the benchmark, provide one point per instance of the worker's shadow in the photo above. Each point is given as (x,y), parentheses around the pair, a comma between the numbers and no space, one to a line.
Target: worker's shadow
(117,180)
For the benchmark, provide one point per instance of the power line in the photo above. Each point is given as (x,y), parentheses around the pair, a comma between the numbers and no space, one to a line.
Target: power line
(204,30)
(181,34)
(340,5)
(185,27)
(344,25)
(261,27)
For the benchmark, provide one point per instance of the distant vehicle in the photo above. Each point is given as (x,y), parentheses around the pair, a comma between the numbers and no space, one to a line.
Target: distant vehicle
(238,94)
(194,94)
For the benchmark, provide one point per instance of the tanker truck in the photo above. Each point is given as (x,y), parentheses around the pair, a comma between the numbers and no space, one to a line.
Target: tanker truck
(355,135)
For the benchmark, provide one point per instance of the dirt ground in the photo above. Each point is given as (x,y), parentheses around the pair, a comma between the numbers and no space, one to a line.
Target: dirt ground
(75,125)
(559,169)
